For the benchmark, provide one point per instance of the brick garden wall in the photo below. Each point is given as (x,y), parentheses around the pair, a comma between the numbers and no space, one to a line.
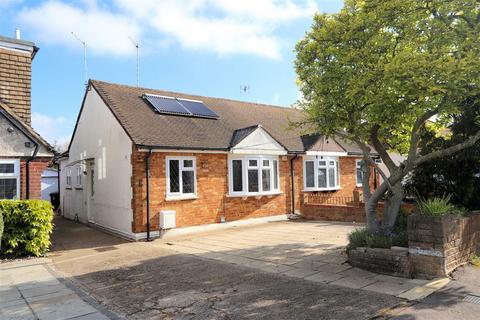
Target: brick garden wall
(15,82)
(438,245)
(393,262)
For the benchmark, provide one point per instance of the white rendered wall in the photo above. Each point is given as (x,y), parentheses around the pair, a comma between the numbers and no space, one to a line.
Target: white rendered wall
(100,137)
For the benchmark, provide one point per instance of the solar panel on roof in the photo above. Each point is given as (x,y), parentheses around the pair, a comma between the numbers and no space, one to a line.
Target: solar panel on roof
(166,105)
(181,107)
(197,108)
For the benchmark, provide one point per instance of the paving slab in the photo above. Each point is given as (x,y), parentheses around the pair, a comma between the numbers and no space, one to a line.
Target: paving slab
(29,290)
(324,277)
(353,282)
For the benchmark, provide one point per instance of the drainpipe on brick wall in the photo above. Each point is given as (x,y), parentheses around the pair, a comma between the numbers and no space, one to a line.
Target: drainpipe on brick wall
(293,182)
(27,171)
(147,177)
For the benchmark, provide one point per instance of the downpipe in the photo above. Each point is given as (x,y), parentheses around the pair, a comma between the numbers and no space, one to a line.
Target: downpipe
(147,186)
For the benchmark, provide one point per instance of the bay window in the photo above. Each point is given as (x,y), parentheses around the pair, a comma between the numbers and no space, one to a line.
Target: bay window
(181,177)
(9,179)
(321,173)
(253,175)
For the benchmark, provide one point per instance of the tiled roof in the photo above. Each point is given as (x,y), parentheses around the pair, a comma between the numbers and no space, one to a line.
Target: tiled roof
(236,119)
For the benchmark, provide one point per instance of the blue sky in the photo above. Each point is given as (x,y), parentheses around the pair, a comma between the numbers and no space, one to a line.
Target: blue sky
(206,47)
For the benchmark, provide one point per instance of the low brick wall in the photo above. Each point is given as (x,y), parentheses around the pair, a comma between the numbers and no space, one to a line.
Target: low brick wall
(439,245)
(344,213)
(394,262)
(436,247)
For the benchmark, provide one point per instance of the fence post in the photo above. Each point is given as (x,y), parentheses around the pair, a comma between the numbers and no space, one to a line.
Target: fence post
(356,198)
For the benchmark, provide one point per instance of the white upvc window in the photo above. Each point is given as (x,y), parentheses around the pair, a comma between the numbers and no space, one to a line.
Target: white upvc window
(9,178)
(359,172)
(181,177)
(321,173)
(78,176)
(68,177)
(253,175)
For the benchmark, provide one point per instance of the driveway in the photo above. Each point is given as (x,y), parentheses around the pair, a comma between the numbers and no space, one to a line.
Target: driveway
(310,250)
(160,280)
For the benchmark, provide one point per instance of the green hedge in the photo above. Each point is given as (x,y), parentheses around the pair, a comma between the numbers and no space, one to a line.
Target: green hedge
(27,227)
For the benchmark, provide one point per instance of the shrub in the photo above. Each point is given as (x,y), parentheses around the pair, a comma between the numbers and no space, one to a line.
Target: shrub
(27,227)
(435,207)
(364,238)
(1,229)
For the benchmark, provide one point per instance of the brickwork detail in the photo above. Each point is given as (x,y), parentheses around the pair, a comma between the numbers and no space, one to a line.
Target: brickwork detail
(212,187)
(385,261)
(439,245)
(15,82)
(37,166)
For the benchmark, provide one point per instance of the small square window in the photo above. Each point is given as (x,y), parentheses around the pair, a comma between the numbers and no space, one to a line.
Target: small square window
(188,163)
(266,163)
(252,163)
(322,163)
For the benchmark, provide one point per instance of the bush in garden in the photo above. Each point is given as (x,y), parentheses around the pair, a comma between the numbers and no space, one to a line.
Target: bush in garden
(1,229)
(27,227)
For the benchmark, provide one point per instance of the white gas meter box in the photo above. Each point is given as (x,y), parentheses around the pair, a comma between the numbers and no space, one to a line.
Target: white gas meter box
(167,219)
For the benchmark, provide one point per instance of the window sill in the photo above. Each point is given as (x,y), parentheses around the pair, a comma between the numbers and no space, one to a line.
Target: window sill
(359,185)
(182,197)
(258,196)
(79,188)
(320,190)
(68,188)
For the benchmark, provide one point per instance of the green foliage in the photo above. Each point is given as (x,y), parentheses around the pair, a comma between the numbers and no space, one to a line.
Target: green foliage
(1,229)
(435,207)
(384,63)
(475,260)
(365,238)
(28,225)
(459,174)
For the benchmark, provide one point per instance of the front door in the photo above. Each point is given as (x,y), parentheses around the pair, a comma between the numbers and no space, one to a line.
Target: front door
(91,191)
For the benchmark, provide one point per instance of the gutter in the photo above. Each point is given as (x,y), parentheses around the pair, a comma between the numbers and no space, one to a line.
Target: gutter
(147,178)
(293,182)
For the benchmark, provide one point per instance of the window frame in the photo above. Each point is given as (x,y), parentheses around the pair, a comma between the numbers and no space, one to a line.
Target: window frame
(181,195)
(245,159)
(357,167)
(327,166)
(68,177)
(15,175)
(78,176)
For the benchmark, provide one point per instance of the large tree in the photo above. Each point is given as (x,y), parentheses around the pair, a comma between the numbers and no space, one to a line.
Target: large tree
(376,71)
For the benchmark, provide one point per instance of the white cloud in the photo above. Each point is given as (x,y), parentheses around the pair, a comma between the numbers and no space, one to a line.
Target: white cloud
(104,32)
(56,130)
(220,26)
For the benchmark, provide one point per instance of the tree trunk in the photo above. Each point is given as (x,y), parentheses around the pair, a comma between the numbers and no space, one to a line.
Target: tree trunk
(371,212)
(393,203)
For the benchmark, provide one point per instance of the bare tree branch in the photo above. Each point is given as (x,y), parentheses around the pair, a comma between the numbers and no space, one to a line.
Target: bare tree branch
(448,151)
(414,139)
(381,149)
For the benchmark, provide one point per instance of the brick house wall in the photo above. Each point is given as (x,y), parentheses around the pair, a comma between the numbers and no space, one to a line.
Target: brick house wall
(37,166)
(212,188)
(15,81)
(213,201)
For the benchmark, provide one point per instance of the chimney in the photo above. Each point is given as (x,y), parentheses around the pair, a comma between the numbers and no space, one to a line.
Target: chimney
(16,57)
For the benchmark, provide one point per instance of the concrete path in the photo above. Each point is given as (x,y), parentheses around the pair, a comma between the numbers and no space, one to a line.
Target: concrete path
(314,251)
(29,290)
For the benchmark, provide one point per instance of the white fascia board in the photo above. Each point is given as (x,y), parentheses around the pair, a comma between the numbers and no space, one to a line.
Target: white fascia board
(181,151)
(258,151)
(326,153)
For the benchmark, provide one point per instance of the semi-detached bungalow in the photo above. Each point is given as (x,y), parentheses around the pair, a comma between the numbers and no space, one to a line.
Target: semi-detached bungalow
(144,160)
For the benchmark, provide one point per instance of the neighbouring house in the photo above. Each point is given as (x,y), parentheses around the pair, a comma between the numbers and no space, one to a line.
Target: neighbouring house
(141,160)
(24,154)
(49,183)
